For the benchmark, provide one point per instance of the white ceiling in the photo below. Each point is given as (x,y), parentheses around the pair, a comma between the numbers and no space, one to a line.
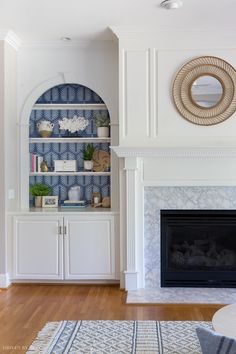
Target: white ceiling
(39,20)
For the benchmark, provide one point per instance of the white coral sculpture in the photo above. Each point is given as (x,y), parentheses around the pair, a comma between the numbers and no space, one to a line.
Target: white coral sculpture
(73,124)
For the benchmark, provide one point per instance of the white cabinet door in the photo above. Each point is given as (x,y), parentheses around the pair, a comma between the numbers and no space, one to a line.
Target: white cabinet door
(89,247)
(38,247)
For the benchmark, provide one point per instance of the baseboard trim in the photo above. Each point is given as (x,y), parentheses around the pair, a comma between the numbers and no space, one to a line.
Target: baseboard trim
(66,282)
(122,280)
(131,280)
(4,281)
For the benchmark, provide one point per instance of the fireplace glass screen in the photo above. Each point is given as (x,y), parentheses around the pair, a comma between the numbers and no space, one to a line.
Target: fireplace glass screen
(198,248)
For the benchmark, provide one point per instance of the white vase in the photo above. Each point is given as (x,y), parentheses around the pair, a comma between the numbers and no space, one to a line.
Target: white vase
(74,193)
(45,128)
(88,165)
(102,132)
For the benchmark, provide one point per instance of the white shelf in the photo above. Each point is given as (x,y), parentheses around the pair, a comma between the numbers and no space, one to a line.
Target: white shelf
(82,173)
(66,106)
(70,140)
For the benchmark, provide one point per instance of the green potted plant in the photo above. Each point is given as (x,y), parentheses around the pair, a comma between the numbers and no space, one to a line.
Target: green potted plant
(38,190)
(102,122)
(88,156)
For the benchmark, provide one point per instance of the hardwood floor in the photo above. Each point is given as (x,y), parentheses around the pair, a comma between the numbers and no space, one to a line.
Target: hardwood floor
(24,310)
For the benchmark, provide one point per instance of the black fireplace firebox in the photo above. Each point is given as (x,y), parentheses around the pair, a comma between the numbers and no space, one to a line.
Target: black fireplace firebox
(198,248)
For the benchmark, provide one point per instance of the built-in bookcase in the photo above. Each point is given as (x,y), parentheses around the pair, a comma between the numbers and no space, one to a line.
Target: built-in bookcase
(62,101)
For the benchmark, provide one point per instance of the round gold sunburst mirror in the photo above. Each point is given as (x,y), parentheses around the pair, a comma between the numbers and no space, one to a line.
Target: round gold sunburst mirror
(204,90)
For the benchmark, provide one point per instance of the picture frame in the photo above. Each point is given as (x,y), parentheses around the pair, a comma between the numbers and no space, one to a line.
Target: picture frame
(50,201)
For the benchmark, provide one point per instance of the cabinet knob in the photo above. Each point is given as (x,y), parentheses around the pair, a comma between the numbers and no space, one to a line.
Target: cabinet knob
(59,230)
(65,230)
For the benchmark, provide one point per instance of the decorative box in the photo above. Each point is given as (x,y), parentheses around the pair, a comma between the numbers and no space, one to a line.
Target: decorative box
(65,166)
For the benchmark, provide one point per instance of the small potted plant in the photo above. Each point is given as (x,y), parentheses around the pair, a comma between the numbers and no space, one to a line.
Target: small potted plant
(102,122)
(88,156)
(38,190)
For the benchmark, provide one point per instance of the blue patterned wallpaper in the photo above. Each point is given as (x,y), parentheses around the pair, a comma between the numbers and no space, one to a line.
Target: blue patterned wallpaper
(70,93)
(67,93)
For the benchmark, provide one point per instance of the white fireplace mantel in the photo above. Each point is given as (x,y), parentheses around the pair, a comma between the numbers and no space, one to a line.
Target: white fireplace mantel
(208,151)
(163,166)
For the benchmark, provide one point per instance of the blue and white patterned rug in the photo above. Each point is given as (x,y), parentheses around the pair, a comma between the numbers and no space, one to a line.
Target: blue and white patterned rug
(118,337)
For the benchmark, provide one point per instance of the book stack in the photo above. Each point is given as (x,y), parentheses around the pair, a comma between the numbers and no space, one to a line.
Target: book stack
(36,161)
(74,204)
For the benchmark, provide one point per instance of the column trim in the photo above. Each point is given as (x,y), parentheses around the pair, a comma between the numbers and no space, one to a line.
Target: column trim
(134,272)
(4,281)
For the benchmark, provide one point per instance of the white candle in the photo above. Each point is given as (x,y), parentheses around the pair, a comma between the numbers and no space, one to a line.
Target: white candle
(96,200)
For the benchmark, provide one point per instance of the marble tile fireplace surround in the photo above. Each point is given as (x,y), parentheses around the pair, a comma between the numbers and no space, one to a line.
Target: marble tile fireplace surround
(169,178)
(159,198)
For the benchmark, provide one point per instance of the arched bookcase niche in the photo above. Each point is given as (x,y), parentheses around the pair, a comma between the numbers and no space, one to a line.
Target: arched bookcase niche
(67,101)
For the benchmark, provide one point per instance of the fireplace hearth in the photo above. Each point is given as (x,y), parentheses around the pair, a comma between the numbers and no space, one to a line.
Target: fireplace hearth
(198,248)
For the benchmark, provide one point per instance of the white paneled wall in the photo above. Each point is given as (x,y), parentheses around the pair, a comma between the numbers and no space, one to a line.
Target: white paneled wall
(136,94)
(157,146)
(147,67)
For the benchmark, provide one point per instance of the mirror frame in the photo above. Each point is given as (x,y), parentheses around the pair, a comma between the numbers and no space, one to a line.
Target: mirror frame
(190,72)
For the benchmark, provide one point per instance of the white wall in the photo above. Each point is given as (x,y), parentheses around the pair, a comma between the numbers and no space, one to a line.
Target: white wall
(148,64)
(10,88)
(94,65)
(2,161)
(8,145)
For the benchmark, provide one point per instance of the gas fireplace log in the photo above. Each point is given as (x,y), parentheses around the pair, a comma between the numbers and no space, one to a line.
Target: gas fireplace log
(191,255)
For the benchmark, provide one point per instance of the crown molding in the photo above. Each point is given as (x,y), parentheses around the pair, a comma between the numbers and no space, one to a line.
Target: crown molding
(11,38)
(69,44)
(56,44)
(127,32)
